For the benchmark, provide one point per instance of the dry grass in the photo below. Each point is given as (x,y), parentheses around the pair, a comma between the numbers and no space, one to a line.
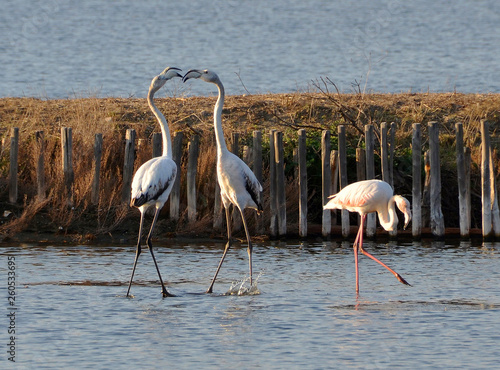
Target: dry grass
(243,114)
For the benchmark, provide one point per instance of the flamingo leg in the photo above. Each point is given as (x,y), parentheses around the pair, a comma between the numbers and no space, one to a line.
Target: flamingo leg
(228,245)
(249,244)
(357,241)
(164,291)
(399,277)
(137,253)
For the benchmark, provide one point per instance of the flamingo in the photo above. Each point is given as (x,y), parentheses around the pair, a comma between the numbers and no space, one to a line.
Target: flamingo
(369,196)
(238,185)
(153,181)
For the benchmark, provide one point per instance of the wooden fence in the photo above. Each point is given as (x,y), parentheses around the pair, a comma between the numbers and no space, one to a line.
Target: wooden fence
(333,173)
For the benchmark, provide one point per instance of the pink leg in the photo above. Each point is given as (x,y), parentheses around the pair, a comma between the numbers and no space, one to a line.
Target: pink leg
(399,277)
(357,241)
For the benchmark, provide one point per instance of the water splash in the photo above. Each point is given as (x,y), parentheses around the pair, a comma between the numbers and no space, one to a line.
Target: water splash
(243,287)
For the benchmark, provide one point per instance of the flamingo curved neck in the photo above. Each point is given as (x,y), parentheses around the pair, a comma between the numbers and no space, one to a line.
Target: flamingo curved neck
(165,133)
(388,217)
(219,134)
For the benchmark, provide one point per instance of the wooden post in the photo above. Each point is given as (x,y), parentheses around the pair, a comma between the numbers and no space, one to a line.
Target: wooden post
(495,212)
(384,152)
(128,164)
(371,220)
(416,148)
(280,182)
(97,168)
(426,193)
(157,144)
(360,168)
(467,161)
(257,170)
(302,152)
(485,179)
(235,215)
(437,221)
(392,148)
(193,152)
(40,164)
(326,180)
(175,194)
(343,177)
(67,162)
(462,186)
(334,165)
(273,227)
(14,164)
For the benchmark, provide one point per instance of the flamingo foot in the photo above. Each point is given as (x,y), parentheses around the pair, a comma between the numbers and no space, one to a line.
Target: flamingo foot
(400,278)
(166,294)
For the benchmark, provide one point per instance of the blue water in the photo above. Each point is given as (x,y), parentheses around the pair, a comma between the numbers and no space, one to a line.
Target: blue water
(59,49)
(72,309)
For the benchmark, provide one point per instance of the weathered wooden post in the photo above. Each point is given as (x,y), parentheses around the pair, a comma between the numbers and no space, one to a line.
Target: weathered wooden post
(416,148)
(426,193)
(40,164)
(128,164)
(360,169)
(485,179)
(280,182)
(462,186)
(392,148)
(257,170)
(326,181)
(384,154)
(371,220)
(468,161)
(175,194)
(94,196)
(343,177)
(193,153)
(437,221)
(67,162)
(157,144)
(334,165)
(302,152)
(495,212)
(14,164)
(273,227)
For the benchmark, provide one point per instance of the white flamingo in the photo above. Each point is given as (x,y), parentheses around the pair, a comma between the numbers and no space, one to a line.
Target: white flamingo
(153,181)
(238,184)
(371,196)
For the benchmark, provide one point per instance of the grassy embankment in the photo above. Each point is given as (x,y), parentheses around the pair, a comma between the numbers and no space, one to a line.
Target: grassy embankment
(286,112)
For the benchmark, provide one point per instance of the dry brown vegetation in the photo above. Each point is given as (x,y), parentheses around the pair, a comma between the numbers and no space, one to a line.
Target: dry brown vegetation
(285,112)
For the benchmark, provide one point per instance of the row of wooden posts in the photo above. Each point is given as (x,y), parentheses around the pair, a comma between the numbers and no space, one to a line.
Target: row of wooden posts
(334,175)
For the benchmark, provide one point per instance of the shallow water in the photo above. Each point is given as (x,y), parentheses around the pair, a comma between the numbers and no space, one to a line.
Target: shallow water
(72,308)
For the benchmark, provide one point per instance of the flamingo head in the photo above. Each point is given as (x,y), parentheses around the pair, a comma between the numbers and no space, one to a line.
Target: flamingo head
(205,75)
(167,74)
(404,206)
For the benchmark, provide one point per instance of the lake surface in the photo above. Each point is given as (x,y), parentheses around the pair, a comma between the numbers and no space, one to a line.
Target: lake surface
(72,309)
(59,49)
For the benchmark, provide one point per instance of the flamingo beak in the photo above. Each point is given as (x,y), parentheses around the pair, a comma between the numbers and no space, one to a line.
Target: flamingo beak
(177,69)
(407,219)
(192,73)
